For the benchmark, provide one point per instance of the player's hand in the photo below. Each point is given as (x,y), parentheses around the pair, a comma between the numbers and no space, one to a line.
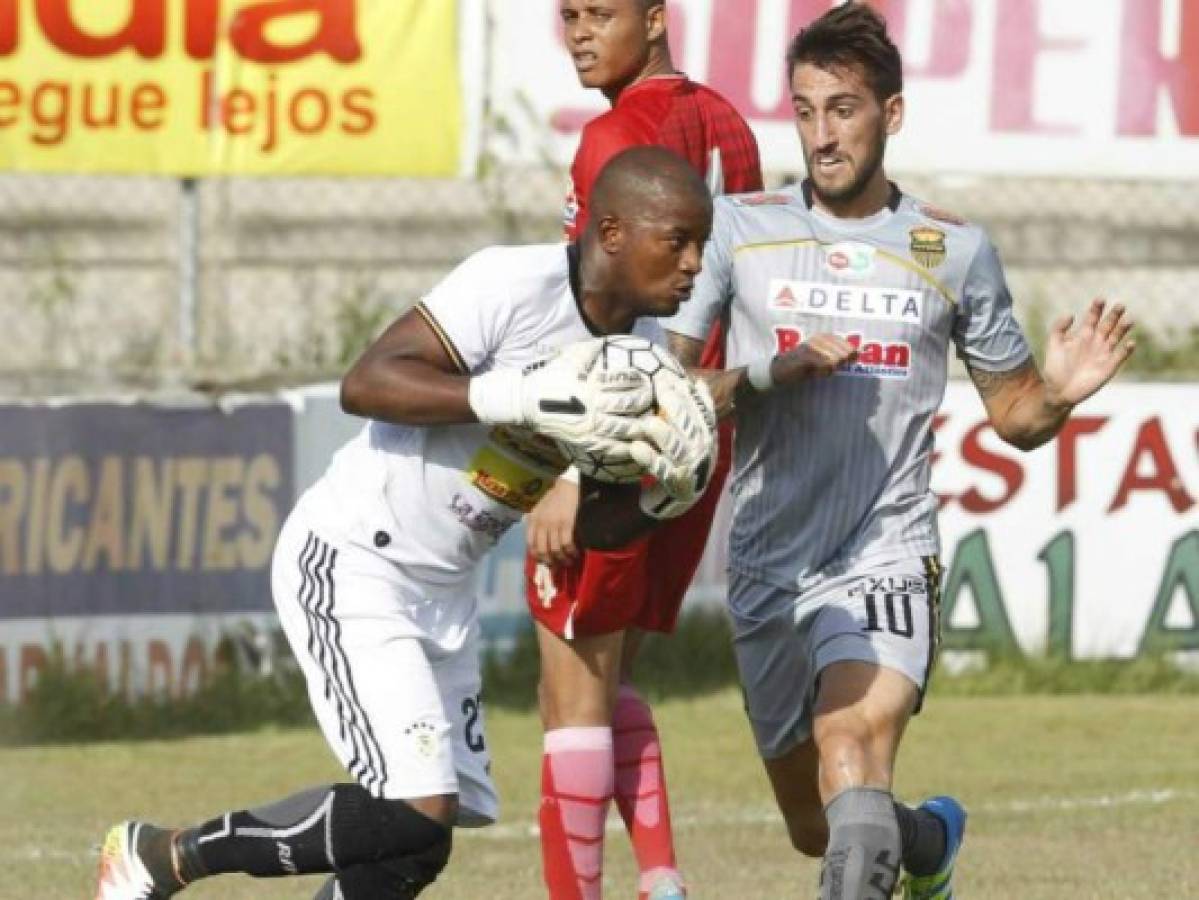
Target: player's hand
(1079,361)
(556,398)
(550,527)
(684,452)
(819,357)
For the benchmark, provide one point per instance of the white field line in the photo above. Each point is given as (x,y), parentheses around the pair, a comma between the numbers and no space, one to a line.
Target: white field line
(722,818)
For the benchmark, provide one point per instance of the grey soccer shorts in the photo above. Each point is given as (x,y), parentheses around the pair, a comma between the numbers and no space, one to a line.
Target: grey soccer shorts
(885,613)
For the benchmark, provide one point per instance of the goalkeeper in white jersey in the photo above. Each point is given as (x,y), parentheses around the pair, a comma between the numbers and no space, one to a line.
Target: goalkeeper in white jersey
(469,396)
(844,296)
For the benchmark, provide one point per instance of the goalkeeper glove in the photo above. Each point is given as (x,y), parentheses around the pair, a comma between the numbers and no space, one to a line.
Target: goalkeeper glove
(684,449)
(556,398)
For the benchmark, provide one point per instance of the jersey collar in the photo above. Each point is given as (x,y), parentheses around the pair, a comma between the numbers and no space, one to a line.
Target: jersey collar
(892,202)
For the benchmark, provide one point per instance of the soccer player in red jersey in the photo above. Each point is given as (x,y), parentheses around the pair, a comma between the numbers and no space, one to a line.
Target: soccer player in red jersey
(592,608)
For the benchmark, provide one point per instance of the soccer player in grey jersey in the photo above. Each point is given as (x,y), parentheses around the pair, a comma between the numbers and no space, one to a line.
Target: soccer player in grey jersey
(844,295)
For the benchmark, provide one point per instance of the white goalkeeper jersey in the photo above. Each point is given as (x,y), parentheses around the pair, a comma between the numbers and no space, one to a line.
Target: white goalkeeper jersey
(434,499)
(835,472)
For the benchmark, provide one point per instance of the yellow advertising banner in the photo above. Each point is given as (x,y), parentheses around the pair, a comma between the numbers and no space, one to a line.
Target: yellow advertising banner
(231,87)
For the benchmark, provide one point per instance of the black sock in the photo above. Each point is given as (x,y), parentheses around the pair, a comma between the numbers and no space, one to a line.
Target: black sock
(922,836)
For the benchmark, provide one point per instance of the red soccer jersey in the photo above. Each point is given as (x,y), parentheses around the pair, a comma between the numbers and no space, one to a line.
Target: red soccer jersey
(674,112)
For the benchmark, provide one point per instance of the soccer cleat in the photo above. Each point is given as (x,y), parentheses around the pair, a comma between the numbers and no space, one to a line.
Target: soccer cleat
(666,888)
(123,875)
(939,885)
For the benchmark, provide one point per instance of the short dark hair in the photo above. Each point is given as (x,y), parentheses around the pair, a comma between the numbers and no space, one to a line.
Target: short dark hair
(640,172)
(849,35)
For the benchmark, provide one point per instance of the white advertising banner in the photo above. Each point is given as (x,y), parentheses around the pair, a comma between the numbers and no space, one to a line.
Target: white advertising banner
(1087,547)
(1053,87)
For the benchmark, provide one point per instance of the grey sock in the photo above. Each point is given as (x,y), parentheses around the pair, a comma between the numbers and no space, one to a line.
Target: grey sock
(922,836)
(862,860)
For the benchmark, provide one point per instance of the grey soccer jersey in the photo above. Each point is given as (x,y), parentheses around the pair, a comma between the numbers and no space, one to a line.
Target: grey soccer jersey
(835,472)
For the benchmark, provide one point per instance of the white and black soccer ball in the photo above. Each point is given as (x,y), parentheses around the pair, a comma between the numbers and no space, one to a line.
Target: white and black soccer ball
(628,351)
(623,353)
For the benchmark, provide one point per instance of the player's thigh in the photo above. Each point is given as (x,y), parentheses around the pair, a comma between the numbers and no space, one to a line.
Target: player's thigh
(875,636)
(579,677)
(775,661)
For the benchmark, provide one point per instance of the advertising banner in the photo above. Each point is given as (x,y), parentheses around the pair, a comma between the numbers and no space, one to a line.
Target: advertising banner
(992,86)
(1087,547)
(127,530)
(199,87)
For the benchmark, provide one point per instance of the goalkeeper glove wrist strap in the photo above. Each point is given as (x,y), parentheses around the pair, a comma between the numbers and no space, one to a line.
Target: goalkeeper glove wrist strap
(495,397)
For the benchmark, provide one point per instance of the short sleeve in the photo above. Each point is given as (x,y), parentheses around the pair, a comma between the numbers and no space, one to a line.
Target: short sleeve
(986,332)
(470,309)
(714,284)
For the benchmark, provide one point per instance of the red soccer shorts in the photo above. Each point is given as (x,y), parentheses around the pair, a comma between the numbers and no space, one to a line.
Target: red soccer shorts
(640,585)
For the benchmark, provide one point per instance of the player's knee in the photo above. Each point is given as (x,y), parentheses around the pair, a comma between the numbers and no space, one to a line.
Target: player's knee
(845,749)
(366,829)
(566,704)
(395,879)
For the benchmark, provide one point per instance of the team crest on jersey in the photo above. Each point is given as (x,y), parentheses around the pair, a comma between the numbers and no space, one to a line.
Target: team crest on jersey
(849,258)
(876,359)
(817,298)
(763,200)
(940,215)
(928,246)
(422,736)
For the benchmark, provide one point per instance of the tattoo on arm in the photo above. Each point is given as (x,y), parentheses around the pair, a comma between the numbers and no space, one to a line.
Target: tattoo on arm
(991,383)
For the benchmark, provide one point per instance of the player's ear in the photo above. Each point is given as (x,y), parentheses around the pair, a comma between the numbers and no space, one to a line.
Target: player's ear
(610,231)
(655,22)
(893,108)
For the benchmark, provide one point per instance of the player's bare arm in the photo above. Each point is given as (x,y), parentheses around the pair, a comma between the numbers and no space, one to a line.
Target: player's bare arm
(819,357)
(724,384)
(407,377)
(1028,407)
(550,527)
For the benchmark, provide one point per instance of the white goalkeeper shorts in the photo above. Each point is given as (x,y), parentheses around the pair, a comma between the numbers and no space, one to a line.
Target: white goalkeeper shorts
(885,613)
(403,715)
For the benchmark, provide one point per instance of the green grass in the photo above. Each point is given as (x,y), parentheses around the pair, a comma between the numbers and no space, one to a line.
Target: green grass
(1071,798)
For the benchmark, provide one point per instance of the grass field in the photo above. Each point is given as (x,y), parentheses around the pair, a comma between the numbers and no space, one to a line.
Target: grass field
(1070,798)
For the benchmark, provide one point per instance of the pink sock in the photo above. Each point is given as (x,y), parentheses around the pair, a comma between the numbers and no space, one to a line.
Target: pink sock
(641,788)
(576,788)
